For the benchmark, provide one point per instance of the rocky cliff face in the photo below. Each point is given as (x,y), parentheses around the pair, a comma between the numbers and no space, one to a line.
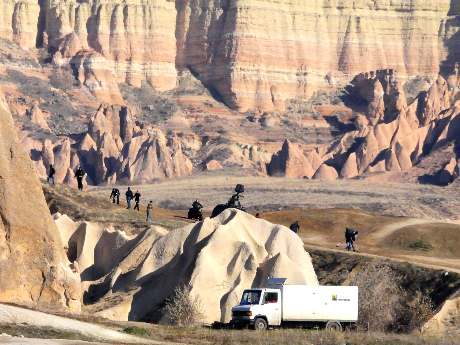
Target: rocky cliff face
(253,54)
(260,53)
(34,269)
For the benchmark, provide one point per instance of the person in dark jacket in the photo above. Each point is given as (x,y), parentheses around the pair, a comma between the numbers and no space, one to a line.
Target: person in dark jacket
(350,238)
(115,196)
(51,174)
(80,174)
(129,196)
(295,227)
(137,199)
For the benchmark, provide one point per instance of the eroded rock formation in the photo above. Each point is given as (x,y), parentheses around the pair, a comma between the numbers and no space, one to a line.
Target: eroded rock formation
(113,149)
(34,269)
(396,138)
(253,54)
(217,258)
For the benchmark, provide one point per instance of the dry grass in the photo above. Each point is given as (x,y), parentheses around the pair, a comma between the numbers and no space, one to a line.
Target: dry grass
(272,194)
(329,224)
(97,207)
(28,331)
(205,336)
(441,240)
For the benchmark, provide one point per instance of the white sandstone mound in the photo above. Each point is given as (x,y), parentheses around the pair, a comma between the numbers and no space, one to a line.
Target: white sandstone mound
(218,258)
(447,318)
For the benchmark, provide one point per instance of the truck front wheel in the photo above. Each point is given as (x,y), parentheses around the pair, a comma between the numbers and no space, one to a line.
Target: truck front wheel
(260,324)
(334,326)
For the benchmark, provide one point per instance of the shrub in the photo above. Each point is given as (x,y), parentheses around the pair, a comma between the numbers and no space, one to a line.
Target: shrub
(420,245)
(416,312)
(182,309)
(384,305)
(137,331)
(379,297)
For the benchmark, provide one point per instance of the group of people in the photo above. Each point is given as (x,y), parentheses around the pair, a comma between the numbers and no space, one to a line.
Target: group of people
(130,196)
(79,175)
(115,195)
(351,235)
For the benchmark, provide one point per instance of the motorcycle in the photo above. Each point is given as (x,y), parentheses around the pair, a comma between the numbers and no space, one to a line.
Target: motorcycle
(195,213)
(233,202)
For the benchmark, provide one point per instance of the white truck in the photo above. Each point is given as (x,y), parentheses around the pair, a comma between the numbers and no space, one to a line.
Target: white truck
(280,304)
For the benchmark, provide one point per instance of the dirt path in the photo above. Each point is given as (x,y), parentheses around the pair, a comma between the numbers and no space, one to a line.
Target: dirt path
(15,315)
(389,229)
(33,341)
(428,262)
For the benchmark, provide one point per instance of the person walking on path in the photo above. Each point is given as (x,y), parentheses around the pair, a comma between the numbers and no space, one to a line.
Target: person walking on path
(129,196)
(51,174)
(80,174)
(137,199)
(150,212)
(350,239)
(115,196)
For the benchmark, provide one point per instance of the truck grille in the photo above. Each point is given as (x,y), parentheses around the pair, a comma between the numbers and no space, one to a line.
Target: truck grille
(241,313)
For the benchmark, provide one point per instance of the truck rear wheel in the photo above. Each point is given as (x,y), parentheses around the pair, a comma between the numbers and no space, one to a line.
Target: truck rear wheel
(334,326)
(260,324)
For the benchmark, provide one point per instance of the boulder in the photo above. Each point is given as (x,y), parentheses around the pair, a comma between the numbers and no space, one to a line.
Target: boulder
(326,173)
(213,165)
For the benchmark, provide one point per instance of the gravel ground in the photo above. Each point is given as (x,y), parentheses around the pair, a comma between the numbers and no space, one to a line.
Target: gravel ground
(266,194)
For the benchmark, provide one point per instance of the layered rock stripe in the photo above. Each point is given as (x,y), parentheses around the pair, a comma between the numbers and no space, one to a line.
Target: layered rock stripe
(255,54)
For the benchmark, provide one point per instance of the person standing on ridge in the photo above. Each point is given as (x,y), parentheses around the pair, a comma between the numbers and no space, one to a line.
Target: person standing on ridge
(137,199)
(150,212)
(80,174)
(129,196)
(115,196)
(51,173)
(295,227)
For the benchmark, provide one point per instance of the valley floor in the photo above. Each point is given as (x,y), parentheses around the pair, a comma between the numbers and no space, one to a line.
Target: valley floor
(406,222)
(270,194)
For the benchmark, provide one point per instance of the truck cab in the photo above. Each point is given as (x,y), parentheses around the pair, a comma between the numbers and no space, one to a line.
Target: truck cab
(255,304)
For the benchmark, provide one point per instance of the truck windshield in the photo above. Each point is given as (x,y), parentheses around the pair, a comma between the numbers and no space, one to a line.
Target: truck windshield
(250,297)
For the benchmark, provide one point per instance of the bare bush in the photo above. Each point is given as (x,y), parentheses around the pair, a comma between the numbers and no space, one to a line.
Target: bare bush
(385,306)
(417,312)
(379,297)
(182,309)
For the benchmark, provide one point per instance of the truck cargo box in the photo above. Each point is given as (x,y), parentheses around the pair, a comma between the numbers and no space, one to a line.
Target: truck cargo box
(319,303)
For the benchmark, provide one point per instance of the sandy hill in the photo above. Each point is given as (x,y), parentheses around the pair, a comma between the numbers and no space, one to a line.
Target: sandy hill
(129,277)
(95,206)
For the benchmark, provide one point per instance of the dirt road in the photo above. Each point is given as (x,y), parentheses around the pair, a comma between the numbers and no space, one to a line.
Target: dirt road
(15,315)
